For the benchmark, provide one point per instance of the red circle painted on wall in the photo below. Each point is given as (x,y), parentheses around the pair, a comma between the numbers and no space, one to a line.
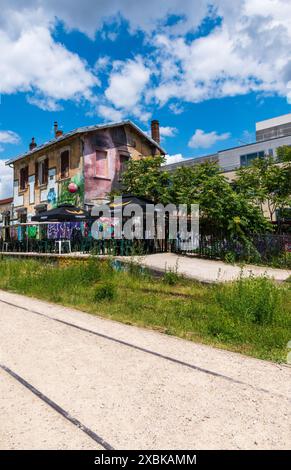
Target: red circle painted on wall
(73,188)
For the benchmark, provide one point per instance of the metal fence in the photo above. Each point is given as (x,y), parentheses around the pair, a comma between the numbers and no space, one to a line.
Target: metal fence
(264,248)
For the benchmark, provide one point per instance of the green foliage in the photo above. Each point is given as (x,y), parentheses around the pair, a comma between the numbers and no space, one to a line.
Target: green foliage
(252,316)
(91,272)
(171,277)
(104,291)
(265,184)
(255,300)
(144,178)
(221,208)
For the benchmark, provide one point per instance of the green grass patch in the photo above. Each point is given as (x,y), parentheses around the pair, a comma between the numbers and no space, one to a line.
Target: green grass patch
(251,316)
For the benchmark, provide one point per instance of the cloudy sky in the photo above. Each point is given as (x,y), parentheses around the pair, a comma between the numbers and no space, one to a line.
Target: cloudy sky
(206,69)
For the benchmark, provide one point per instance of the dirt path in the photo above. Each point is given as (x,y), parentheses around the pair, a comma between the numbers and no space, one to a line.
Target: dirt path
(128,387)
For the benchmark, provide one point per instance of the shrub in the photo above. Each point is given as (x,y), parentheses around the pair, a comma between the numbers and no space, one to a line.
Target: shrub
(104,291)
(171,278)
(91,271)
(256,300)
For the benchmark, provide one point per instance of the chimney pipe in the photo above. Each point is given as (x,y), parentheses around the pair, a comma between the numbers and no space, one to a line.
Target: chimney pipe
(57,131)
(155,130)
(32,144)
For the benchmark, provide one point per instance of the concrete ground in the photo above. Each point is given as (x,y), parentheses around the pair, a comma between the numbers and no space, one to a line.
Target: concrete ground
(203,270)
(208,270)
(133,388)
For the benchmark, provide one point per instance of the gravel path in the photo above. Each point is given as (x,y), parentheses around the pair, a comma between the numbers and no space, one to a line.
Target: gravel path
(135,388)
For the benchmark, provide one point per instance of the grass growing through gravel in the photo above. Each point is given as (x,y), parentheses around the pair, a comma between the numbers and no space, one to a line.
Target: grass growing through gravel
(251,316)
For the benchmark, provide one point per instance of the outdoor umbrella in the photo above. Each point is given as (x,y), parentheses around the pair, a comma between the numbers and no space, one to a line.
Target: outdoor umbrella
(62,213)
(126,199)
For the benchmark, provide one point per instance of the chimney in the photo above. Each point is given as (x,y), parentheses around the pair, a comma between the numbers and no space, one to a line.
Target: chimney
(57,131)
(155,128)
(32,144)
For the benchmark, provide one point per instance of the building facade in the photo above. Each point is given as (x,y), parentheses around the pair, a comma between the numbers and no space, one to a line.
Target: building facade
(5,211)
(80,167)
(270,135)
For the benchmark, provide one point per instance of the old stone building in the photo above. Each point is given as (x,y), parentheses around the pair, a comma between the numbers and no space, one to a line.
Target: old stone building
(80,167)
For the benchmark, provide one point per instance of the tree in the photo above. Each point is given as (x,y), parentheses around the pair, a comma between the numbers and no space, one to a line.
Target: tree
(266,183)
(145,178)
(222,210)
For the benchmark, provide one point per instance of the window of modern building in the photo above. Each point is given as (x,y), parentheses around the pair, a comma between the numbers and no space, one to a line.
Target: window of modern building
(23,176)
(65,164)
(247,159)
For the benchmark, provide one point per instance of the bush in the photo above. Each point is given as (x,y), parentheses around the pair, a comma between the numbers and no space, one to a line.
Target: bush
(104,291)
(91,271)
(171,278)
(256,300)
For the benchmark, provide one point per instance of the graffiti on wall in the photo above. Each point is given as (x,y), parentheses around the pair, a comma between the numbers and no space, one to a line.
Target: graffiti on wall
(17,200)
(49,194)
(71,191)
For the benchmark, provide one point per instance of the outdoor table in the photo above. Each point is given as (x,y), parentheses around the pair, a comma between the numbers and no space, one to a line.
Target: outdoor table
(59,245)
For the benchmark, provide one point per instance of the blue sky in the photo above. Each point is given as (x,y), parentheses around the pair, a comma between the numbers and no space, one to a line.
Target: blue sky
(207,72)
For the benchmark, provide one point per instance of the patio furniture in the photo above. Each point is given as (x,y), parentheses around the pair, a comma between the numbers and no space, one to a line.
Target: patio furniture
(62,243)
(5,246)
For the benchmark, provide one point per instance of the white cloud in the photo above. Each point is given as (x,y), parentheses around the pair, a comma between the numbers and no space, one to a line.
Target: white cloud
(32,61)
(168,131)
(176,108)
(178,157)
(9,137)
(127,83)
(109,113)
(201,139)
(248,51)
(45,103)
(6,180)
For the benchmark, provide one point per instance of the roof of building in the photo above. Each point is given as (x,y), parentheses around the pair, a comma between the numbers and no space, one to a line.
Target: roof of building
(212,156)
(83,130)
(191,161)
(8,200)
(275,121)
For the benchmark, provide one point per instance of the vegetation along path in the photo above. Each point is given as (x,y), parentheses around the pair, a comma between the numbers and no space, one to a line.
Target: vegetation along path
(73,380)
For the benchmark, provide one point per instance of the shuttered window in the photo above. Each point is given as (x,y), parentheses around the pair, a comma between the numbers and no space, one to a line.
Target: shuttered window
(41,172)
(101,164)
(23,178)
(65,164)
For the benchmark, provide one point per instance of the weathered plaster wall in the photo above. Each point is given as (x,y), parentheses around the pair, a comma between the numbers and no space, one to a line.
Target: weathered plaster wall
(103,151)
(55,188)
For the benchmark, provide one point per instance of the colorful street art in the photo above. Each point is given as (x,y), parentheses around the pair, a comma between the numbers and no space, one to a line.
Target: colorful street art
(66,196)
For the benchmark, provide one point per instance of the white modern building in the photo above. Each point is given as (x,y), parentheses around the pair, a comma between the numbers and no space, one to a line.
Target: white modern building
(270,134)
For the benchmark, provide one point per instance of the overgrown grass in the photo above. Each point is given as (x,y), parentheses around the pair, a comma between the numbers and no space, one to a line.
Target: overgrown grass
(251,316)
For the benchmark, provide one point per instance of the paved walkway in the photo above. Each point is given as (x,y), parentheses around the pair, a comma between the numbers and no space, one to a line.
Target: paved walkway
(70,380)
(195,268)
(208,270)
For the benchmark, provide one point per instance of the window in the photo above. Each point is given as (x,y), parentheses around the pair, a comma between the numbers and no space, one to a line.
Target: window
(23,218)
(23,178)
(101,164)
(65,164)
(123,161)
(41,172)
(247,159)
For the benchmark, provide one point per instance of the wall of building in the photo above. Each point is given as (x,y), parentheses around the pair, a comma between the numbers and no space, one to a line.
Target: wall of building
(104,150)
(56,189)
(230,159)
